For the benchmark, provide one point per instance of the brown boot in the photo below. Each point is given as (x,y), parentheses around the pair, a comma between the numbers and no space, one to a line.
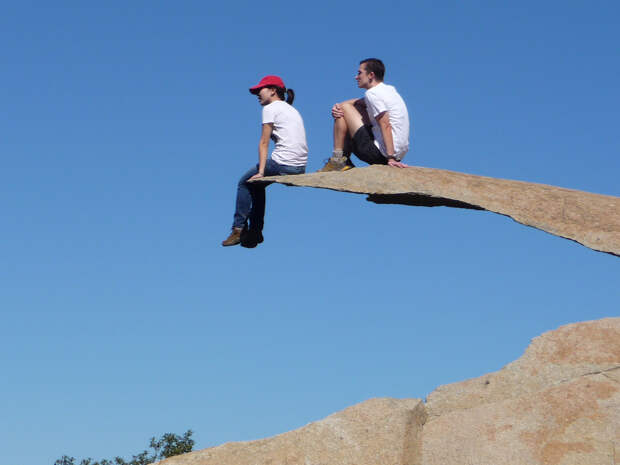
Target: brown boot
(337,165)
(250,238)
(234,238)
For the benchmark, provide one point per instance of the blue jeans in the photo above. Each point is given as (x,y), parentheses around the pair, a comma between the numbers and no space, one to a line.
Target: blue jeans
(251,196)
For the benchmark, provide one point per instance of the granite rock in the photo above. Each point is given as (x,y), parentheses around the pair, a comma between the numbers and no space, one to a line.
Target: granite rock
(378,431)
(592,220)
(558,404)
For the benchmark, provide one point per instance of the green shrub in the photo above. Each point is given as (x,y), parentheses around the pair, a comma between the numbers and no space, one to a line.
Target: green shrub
(168,445)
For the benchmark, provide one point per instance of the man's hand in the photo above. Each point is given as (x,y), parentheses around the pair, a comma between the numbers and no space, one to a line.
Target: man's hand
(396,163)
(337,111)
(256,176)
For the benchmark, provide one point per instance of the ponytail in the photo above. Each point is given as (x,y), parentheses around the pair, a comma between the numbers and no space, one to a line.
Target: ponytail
(290,94)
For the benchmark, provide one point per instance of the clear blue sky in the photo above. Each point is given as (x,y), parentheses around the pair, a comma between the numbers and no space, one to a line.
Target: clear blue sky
(124,129)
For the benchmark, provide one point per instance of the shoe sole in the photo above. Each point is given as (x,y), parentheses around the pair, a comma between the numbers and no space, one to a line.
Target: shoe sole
(345,168)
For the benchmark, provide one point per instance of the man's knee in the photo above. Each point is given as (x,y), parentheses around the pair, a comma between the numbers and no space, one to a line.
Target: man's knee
(355,106)
(356,109)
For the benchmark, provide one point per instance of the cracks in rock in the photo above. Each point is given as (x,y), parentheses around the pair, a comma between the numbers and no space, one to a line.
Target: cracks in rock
(602,372)
(432,416)
(412,438)
(592,373)
(610,378)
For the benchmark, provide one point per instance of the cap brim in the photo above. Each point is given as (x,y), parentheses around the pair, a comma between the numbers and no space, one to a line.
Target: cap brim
(255,90)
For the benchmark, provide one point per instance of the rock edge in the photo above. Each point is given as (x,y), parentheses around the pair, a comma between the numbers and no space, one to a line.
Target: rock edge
(592,220)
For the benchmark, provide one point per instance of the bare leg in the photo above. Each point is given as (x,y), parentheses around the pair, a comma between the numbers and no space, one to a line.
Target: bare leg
(340,133)
(353,117)
(348,118)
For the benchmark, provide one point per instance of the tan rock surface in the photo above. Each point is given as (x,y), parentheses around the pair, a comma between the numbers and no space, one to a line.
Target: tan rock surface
(559,404)
(557,356)
(573,423)
(378,431)
(592,220)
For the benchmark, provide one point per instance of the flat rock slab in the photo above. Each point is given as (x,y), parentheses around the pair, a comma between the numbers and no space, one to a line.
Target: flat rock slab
(592,220)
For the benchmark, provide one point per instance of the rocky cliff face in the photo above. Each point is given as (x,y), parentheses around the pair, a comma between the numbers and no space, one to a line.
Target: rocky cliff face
(590,219)
(559,404)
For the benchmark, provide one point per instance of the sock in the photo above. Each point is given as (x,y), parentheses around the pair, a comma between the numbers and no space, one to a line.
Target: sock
(338,156)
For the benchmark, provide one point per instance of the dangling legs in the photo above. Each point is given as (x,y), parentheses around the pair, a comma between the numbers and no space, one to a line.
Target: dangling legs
(257,214)
(250,204)
(243,206)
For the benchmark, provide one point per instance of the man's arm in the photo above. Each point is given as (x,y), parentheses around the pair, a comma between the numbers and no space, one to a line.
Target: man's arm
(263,147)
(383,120)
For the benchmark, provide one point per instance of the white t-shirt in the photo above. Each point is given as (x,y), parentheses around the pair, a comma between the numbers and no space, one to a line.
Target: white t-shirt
(382,98)
(289,134)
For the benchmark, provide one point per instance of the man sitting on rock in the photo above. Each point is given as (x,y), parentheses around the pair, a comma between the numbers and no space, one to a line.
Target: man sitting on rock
(375,128)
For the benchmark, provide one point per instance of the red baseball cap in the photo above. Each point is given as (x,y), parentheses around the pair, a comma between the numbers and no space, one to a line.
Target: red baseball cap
(266,82)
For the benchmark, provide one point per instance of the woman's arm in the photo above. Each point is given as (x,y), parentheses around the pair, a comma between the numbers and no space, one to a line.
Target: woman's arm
(263,147)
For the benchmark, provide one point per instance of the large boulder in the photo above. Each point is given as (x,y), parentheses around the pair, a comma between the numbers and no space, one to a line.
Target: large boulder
(559,404)
(556,357)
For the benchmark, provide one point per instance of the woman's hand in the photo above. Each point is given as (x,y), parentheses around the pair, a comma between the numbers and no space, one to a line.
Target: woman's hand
(256,176)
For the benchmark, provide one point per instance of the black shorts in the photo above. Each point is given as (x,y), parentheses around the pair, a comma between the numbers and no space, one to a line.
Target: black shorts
(365,149)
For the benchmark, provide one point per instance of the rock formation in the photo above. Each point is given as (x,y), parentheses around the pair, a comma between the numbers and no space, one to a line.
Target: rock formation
(559,404)
(592,220)
(378,431)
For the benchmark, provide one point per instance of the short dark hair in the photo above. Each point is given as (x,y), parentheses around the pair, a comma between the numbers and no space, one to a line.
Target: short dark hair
(374,65)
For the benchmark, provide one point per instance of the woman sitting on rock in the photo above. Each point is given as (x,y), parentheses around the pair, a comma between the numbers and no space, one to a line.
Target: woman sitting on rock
(283,124)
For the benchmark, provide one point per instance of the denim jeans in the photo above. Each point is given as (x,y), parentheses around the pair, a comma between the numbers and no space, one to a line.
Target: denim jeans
(251,196)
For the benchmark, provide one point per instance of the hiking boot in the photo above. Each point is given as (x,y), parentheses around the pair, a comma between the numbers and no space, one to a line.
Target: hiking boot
(234,238)
(332,165)
(250,238)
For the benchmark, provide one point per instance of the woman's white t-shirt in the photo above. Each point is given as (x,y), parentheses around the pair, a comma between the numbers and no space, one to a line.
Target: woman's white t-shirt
(289,134)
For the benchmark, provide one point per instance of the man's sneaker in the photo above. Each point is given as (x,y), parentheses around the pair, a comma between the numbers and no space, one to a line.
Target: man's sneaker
(234,238)
(332,165)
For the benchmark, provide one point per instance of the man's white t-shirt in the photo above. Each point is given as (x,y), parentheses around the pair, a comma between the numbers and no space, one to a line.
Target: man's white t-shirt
(289,134)
(383,97)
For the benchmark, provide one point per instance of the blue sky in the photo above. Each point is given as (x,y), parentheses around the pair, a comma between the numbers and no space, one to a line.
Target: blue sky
(124,131)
